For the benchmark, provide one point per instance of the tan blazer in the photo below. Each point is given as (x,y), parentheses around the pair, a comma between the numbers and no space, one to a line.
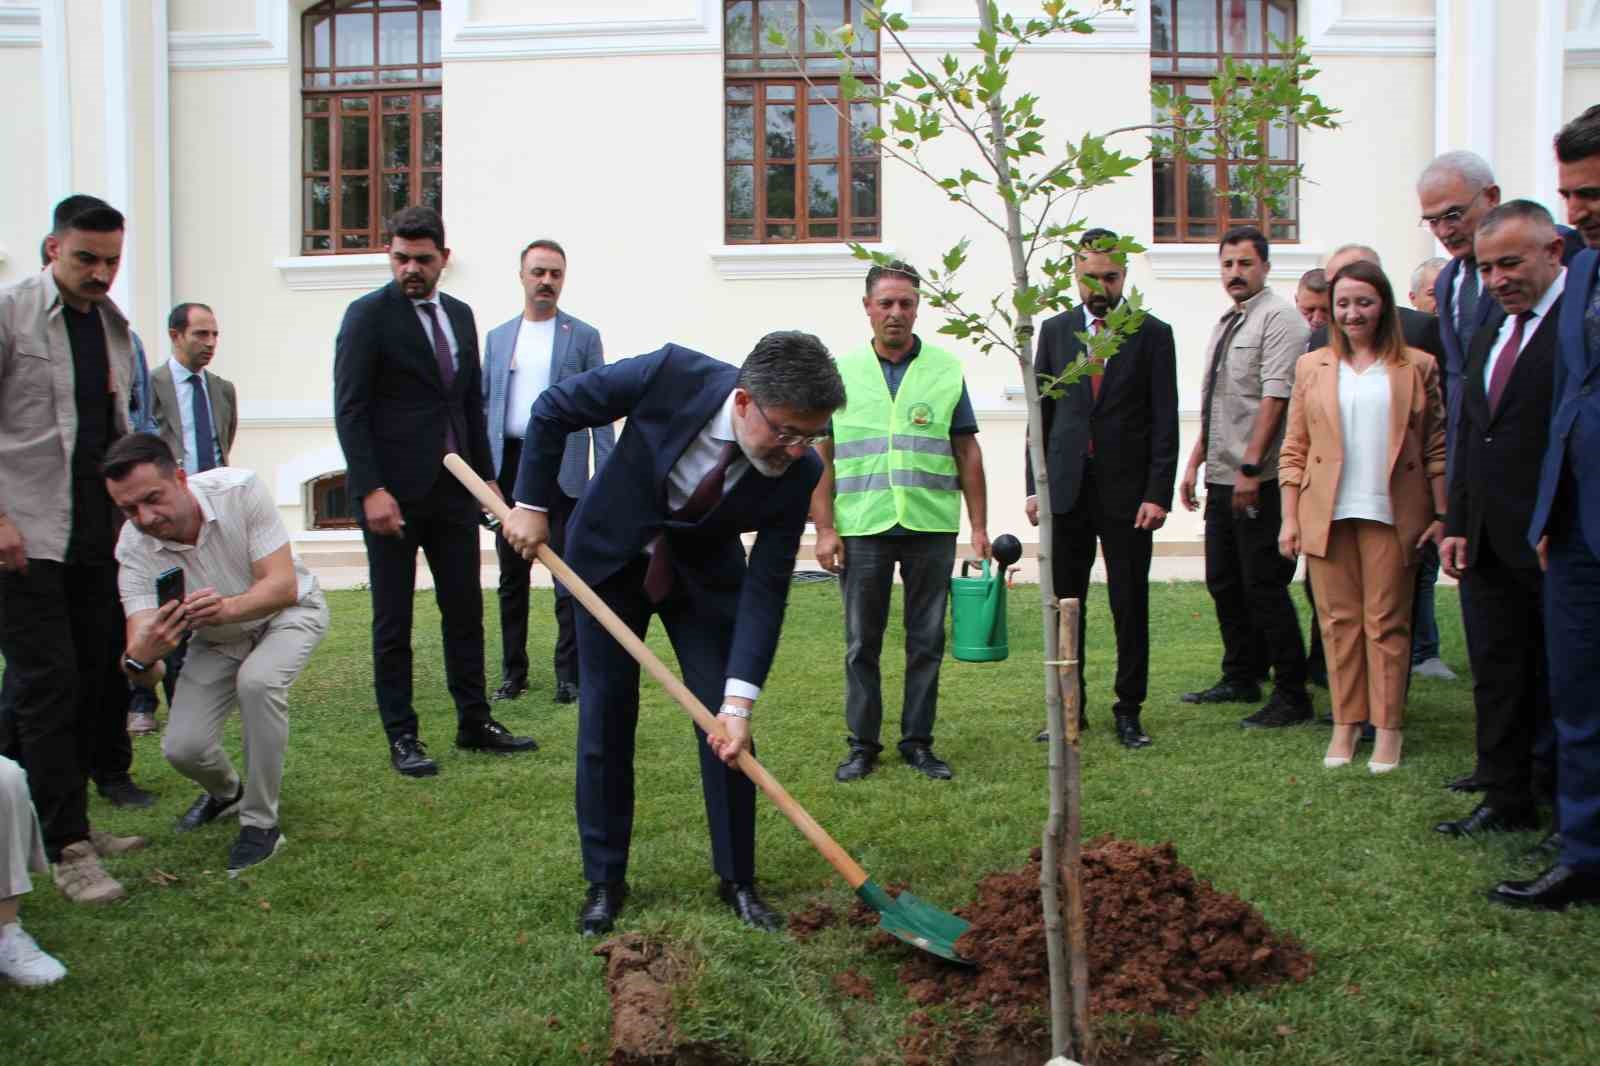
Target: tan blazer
(164,409)
(1313,451)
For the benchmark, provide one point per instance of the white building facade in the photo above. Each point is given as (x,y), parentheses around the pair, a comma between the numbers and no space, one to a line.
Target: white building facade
(220,128)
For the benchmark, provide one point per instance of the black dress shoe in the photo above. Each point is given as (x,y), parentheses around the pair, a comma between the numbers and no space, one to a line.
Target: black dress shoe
(1487,819)
(1547,850)
(1280,711)
(1224,691)
(208,809)
(920,757)
(1556,889)
(409,757)
(601,905)
(124,793)
(566,692)
(511,689)
(490,736)
(1466,783)
(1130,734)
(751,909)
(861,761)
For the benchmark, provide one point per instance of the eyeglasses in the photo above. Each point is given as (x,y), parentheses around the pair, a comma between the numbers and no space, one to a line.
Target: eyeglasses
(1452,216)
(786,438)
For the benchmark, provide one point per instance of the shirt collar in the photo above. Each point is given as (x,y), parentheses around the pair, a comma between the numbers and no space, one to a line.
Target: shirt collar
(1244,309)
(916,350)
(721,424)
(437,299)
(1551,295)
(53,298)
(181,373)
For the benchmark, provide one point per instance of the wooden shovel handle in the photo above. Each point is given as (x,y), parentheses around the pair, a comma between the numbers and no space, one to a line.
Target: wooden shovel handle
(837,857)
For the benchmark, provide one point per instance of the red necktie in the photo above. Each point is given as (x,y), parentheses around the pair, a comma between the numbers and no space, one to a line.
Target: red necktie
(1095,380)
(447,367)
(1506,362)
(701,502)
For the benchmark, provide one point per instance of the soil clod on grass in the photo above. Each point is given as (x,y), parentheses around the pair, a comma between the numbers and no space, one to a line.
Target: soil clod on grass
(640,977)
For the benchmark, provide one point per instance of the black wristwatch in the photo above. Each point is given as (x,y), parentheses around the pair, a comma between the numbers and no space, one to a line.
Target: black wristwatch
(1250,469)
(132,665)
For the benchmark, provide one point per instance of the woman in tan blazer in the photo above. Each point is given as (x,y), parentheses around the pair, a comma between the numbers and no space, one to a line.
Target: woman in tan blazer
(1362,474)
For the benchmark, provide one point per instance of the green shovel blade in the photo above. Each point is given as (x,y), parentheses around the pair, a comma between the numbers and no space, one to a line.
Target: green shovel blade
(917,922)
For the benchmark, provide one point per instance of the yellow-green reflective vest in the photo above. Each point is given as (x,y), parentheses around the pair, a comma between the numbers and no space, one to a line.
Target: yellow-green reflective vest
(892,459)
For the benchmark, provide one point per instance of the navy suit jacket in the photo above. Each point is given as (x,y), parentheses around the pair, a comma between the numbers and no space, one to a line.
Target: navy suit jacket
(390,406)
(1574,444)
(576,349)
(667,397)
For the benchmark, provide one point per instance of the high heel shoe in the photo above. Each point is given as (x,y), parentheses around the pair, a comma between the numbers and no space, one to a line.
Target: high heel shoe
(1386,751)
(1343,745)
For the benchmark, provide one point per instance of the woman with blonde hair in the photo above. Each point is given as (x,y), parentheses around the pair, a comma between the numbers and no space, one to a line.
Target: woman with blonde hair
(1362,473)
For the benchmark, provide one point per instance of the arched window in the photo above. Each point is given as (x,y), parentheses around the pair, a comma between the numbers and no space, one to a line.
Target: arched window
(795,169)
(372,108)
(1194,200)
(328,503)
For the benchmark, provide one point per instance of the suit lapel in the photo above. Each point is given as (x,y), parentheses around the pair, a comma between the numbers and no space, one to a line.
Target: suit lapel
(1472,366)
(561,345)
(1328,395)
(1402,381)
(420,335)
(1118,367)
(168,418)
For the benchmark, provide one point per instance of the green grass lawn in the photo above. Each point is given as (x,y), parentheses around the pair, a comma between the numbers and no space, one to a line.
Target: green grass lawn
(432,921)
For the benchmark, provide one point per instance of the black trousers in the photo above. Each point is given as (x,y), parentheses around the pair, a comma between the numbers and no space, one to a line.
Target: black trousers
(1249,584)
(61,632)
(513,590)
(1504,617)
(1127,554)
(444,524)
(608,715)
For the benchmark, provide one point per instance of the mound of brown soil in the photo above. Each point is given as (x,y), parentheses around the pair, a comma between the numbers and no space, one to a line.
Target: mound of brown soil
(1159,939)
(640,975)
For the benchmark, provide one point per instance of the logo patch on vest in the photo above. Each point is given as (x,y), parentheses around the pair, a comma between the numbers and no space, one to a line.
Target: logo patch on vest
(920,414)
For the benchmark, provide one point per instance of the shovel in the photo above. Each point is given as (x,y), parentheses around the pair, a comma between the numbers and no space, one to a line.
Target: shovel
(918,923)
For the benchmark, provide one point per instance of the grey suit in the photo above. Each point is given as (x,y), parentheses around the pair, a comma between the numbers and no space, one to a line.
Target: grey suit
(576,349)
(165,414)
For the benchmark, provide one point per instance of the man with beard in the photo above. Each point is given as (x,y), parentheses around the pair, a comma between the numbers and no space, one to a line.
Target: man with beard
(1111,448)
(902,455)
(710,451)
(1253,350)
(407,391)
(539,348)
(65,354)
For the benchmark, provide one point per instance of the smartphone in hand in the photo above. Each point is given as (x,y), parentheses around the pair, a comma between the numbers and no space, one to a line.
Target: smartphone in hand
(169,585)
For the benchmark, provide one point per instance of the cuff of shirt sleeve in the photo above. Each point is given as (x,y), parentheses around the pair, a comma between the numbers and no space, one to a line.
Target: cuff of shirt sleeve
(531,507)
(742,689)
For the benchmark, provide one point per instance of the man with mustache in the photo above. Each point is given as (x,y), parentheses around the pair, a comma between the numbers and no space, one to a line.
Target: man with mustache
(406,391)
(1504,424)
(710,451)
(65,354)
(1253,350)
(902,456)
(1111,448)
(539,348)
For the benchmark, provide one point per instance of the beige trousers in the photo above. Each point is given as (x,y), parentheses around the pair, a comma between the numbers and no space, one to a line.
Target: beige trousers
(255,673)
(1364,593)
(21,840)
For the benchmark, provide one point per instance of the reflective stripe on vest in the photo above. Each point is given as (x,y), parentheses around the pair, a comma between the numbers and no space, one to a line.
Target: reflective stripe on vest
(893,463)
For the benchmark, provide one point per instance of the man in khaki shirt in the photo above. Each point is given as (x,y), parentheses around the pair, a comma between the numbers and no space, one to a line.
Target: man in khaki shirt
(65,358)
(1249,376)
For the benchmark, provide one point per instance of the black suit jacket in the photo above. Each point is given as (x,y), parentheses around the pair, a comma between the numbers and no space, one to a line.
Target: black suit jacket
(391,408)
(1495,479)
(1133,422)
(667,397)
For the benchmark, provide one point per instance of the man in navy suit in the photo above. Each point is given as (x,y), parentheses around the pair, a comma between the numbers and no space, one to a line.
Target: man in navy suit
(710,451)
(539,348)
(1566,532)
(1111,449)
(406,391)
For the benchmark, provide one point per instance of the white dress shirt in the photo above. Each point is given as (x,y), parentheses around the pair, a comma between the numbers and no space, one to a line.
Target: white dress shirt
(181,386)
(444,321)
(529,373)
(1540,309)
(1364,424)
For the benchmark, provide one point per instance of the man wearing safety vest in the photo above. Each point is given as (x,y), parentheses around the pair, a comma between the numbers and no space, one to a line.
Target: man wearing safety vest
(903,453)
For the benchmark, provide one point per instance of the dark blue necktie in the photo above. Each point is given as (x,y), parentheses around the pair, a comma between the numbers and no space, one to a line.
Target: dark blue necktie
(205,441)
(1467,306)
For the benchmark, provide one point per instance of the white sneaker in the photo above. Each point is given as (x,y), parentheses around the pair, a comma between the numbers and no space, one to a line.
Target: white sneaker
(1434,668)
(22,961)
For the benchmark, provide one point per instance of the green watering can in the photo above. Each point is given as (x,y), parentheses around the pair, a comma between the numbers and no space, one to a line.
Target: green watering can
(978,607)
